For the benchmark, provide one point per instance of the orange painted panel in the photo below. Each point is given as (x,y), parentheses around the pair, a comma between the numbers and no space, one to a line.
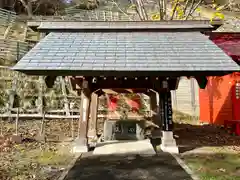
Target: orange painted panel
(216,100)
(236,97)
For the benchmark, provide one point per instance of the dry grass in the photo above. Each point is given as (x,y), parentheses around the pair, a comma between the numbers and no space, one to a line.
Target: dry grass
(180,117)
(212,153)
(32,159)
(219,164)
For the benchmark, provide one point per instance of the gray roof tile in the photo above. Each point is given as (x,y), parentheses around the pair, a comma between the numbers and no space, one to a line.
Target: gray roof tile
(128,51)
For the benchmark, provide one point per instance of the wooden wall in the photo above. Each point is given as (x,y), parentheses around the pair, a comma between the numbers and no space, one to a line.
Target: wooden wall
(186,98)
(216,101)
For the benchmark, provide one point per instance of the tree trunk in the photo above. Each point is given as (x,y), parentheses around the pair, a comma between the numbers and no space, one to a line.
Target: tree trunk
(28,7)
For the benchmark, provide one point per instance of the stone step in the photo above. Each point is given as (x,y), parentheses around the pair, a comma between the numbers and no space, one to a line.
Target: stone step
(141,147)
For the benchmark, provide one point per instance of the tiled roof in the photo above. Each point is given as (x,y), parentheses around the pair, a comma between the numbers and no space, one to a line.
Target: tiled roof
(126,51)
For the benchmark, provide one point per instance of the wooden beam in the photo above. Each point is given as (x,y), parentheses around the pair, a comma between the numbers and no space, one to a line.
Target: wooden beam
(121,90)
(41,100)
(92,128)
(136,85)
(118,26)
(38,116)
(55,116)
(127,83)
(124,84)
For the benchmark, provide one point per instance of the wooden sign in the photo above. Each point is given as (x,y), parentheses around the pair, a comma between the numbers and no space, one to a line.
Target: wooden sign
(166,111)
(131,129)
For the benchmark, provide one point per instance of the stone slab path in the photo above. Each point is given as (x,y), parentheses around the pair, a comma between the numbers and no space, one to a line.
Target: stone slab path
(127,167)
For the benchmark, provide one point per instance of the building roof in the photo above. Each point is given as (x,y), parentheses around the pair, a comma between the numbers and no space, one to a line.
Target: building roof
(119,53)
(86,15)
(100,26)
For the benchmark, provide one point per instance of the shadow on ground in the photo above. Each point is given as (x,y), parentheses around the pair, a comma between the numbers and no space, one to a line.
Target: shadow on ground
(127,167)
(190,137)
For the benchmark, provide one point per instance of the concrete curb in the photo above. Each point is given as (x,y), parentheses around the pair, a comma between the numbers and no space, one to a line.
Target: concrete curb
(185,167)
(71,164)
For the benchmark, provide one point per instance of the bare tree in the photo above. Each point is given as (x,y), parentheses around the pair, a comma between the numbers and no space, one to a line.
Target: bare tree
(42,6)
(172,9)
(28,6)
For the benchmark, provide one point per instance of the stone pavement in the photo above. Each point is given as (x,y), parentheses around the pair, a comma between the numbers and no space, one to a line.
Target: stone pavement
(127,167)
(136,161)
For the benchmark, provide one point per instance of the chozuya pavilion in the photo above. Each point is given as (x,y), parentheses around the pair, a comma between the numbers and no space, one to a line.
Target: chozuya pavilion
(143,56)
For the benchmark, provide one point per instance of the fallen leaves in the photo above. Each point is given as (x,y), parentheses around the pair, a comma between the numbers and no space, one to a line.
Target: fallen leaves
(222,170)
(212,152)
(32,159)
(206,135)
(5,144)
(155,17)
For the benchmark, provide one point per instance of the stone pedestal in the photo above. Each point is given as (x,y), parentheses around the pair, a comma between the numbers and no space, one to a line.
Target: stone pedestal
(122,130)
(125,147)
(169,143)
(80,146)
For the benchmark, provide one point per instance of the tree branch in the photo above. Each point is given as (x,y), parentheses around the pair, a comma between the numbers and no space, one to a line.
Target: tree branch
(114,2)
(186,5)
(174,9)
(193,8)
(160,4)
(28,6)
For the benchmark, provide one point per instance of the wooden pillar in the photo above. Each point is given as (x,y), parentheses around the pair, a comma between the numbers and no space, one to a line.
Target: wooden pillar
(41,97)
(92,130)
(65,99)
(84,115)
(154,105)
(168,143)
